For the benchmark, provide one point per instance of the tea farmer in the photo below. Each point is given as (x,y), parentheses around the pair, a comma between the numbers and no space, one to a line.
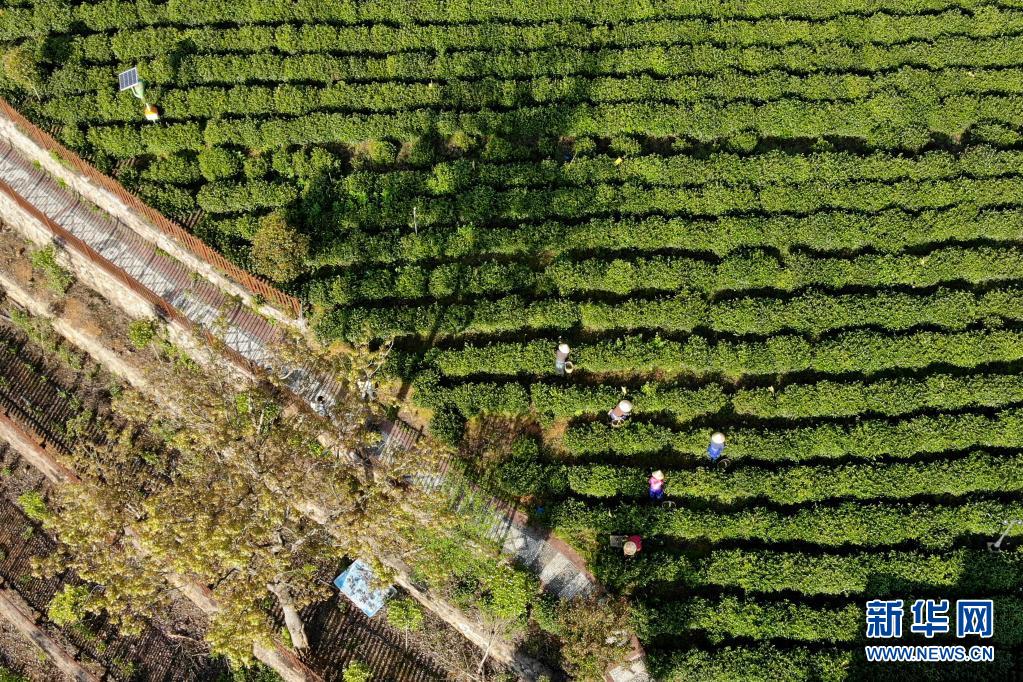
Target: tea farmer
(657,485)
(717,447)
(620,413)
(632,546)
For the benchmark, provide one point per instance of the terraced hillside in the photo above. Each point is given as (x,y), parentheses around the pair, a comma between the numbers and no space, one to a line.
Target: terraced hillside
(798,223)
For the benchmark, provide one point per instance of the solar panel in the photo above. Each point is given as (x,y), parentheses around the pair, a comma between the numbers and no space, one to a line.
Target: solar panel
(128,79)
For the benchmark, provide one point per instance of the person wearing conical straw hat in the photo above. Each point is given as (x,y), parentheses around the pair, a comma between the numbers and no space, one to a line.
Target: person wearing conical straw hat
(561,363)
(657,485)
(717,446)
(620,412)
(632,546)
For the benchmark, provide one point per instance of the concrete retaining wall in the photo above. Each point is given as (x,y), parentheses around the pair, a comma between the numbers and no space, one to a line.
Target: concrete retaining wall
(116,208)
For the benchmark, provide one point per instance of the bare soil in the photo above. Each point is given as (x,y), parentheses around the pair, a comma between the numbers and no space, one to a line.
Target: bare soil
(14,259)
(460,658)
(87,309)
(20,656)
(79,315)
(16,475)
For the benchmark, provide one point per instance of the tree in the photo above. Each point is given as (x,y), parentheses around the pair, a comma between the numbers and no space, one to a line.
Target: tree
(265,468)
(22,66)
(496,593)
(279,251)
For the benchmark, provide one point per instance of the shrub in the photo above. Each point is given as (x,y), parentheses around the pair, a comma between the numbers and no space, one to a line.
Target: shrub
(461,142)
(218,163)
(378,153)
(34,506)
(545,612)
(626,146)
(594,635)
(880,574)
(405,614)
(796,223)
(141,333)
(170,199)
(519,478)
(279,251)
(223,197)
(255,167)
(448,425)
(866,439)
(875,524)
(21,66)
(758,662)
(178,169)
(505,593)
(57,278)
(38,329)
(7,675)
(51,16)
(357,671)
(68,606)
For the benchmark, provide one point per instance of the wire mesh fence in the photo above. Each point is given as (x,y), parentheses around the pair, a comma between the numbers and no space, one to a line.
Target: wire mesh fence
(196,246)
(68,240)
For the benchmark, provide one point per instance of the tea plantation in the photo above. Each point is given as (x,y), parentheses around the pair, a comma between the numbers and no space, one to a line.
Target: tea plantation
(799,223)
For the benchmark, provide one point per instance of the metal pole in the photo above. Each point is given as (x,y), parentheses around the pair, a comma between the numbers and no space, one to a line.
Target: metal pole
(996,546)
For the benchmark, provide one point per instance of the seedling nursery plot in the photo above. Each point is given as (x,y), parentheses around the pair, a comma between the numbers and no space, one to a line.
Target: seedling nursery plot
(798,224)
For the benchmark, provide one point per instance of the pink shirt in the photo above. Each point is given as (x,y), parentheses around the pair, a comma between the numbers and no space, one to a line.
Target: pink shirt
(656,483)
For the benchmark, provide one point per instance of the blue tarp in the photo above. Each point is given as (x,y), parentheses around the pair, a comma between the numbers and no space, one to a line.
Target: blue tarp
(356,583)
